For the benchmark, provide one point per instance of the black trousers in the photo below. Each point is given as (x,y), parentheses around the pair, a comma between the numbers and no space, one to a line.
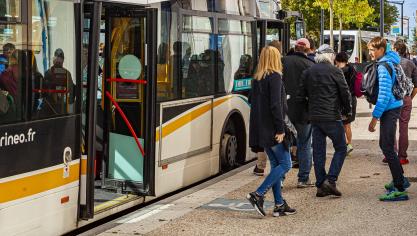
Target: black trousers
(388,128)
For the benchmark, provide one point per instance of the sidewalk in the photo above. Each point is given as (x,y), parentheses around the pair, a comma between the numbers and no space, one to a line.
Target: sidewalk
(221,208)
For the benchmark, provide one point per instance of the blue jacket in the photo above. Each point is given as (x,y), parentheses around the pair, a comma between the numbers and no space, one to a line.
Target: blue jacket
(386,100)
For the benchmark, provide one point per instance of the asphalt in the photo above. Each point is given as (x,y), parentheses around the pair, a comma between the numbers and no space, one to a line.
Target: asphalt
(220,207)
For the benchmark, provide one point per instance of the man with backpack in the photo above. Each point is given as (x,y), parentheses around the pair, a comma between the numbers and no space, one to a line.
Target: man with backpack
(410,71)
(387,110)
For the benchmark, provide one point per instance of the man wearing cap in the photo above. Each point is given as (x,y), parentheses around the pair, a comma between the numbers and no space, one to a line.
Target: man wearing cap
(324,88)
(60,94)
(294,65)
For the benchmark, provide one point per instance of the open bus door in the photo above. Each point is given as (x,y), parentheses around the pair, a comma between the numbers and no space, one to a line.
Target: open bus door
(269,30)
(127,106)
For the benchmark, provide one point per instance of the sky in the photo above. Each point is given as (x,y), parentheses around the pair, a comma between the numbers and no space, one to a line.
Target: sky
(410,7)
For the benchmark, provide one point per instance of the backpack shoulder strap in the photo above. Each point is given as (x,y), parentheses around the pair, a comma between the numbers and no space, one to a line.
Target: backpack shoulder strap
(386,66)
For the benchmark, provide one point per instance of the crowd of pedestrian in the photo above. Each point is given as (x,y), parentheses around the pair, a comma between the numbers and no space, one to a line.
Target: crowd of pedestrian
(315,91)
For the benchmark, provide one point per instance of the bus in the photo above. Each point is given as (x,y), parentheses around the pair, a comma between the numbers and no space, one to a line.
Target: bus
(105,105)
(354,43)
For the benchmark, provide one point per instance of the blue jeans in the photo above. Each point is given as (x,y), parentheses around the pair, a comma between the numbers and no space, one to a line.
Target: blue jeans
(280,160)
(334,130)
(304,153)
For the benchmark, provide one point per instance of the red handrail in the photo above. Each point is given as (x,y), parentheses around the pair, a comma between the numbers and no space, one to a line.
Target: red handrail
(132,131)
(49,91)
(137,81)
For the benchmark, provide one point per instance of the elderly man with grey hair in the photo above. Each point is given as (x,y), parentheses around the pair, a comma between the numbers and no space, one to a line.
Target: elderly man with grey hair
(324,88)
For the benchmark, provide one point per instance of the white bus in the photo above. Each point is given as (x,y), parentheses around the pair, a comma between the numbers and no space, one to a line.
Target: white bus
(110,104)
(354,43)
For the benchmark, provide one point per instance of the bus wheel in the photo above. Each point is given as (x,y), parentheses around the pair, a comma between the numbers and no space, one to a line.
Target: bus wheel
(228,151)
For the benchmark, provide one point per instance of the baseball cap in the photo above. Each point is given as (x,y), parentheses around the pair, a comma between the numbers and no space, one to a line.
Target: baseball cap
(325,48)
(303,42)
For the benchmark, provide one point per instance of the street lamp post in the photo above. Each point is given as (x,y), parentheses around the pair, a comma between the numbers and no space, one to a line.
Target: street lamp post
(322,27)
(381,18)
(402,18)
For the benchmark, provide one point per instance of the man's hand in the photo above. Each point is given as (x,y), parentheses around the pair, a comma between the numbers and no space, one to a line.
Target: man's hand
(279,137)
(372,124)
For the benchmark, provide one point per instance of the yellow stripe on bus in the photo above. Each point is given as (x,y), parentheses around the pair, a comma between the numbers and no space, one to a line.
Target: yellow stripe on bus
(38,183)
(83,166)
(187,118)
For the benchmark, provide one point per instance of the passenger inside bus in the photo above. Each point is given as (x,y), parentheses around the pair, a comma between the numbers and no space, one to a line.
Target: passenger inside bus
(60,86)
(245,69)
(175,62)
(8,50)
(10,82)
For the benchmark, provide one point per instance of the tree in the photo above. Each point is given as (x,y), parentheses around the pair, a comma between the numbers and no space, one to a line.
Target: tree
(390,15)
(328,5)
(355,12)
(311,14)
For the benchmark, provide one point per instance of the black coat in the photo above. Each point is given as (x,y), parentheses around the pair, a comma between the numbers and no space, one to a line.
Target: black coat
(350,76)
(267,114)
(294,65)
(325,88)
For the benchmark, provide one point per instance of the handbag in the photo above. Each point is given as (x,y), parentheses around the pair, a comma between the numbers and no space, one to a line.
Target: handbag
(289,129)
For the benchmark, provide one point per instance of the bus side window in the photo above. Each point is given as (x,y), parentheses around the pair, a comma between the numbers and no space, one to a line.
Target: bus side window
(197,57)
(12,69)
(167,84)
(53,60)
(235,44)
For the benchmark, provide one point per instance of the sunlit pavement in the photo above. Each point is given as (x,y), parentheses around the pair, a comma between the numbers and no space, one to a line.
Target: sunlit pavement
(221,208)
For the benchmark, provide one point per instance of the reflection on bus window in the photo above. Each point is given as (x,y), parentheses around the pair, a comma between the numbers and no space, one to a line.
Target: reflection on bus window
(197,57)
(236,52)
(10,9)
(199,5)
(167,87)
(53,57)
(12,69)
(11,86)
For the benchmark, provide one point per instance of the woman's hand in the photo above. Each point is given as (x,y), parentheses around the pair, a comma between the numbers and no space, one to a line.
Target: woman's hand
(280,137)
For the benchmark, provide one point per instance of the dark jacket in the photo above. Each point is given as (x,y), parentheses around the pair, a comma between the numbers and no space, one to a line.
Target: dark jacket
(325,88)
(350,76)
(311,56)
(267,99)
(294,65)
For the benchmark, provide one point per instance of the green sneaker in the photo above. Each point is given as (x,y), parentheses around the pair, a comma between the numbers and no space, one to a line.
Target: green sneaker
(349,149)
(394,196)
(390,186)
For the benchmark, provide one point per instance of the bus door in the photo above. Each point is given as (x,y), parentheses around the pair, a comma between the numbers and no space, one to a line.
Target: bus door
(128,105)
(269,30)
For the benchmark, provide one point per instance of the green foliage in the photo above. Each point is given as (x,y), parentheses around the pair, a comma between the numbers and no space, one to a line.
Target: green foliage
(311,12)
(354,12)
(390,16)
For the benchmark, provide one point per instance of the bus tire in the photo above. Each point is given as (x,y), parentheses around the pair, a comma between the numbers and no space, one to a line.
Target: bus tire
(233,143)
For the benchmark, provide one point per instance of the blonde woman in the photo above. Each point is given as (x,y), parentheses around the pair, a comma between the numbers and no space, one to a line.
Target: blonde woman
(267,129)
